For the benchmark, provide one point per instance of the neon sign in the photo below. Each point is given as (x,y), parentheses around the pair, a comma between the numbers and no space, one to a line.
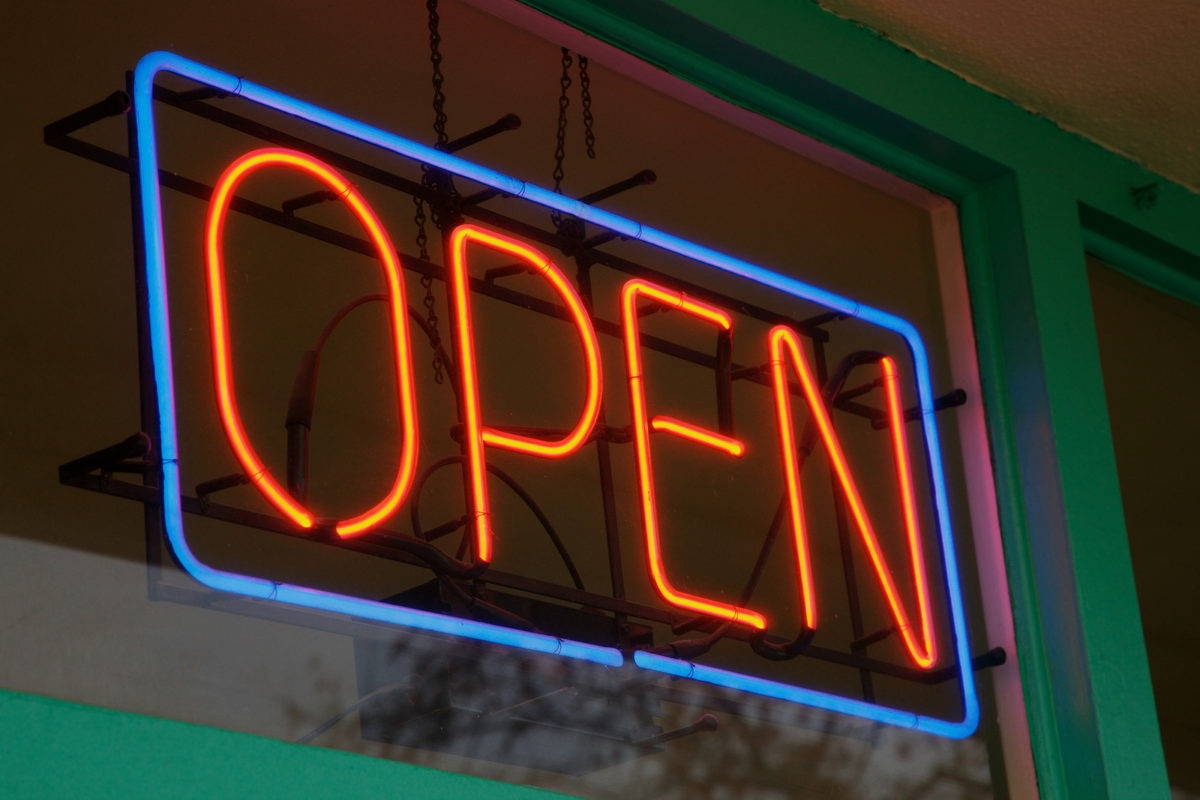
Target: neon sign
(477,435)
(230,418)
(637,396)
(785,346)
(782,348)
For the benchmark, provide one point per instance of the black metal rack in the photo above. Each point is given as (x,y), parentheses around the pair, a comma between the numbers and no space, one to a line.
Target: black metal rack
(585,247)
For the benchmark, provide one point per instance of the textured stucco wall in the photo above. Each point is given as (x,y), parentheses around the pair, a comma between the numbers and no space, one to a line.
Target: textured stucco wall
(1121,72)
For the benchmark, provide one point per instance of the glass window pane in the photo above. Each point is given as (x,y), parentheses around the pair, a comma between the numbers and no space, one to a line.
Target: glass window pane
(95,613)
(1149,344)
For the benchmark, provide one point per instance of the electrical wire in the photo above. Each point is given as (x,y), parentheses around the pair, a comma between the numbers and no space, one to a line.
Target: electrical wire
(509,481)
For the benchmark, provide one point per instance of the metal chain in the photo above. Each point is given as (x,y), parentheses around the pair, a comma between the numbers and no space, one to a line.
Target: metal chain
(585,92)
(431,317)
(430,180)
(435,58)
(560,141)
(433,178)
(422,239)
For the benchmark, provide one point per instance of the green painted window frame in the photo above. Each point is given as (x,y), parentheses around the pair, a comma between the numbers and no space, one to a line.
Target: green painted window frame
(1032,198)
(52,748)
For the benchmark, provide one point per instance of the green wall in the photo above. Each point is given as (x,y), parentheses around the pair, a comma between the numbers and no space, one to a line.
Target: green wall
(49,748)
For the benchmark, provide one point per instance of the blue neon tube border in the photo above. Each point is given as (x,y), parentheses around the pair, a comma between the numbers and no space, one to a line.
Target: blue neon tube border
(147,159)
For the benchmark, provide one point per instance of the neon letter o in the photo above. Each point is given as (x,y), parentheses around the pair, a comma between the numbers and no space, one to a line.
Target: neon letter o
(259,475)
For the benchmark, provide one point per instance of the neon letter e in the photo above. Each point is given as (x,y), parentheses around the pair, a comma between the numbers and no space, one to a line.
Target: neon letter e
(641,428)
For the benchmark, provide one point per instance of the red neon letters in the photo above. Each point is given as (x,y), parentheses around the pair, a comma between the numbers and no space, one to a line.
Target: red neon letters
(783,345)
(785,342)
(476,434)
(641,434)
(231,420)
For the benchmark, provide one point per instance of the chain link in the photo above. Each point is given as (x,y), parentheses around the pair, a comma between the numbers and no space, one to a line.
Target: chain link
(427,284)
(422,238)
(435,58)
(585,99)
(429,179)
(560,141)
